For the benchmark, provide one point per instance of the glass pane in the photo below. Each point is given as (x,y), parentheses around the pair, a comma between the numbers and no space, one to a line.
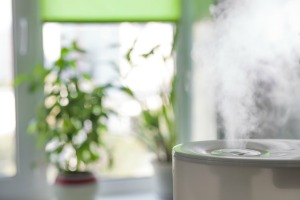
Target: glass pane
(107,46)
(7,97)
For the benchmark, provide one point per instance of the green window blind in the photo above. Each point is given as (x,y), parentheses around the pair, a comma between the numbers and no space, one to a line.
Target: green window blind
(110,10)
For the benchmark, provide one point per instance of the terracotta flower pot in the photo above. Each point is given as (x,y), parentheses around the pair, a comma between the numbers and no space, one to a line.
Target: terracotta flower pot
(163,180)
(75,186)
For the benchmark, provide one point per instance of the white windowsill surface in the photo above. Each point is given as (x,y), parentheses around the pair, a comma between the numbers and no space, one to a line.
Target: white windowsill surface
(143,196)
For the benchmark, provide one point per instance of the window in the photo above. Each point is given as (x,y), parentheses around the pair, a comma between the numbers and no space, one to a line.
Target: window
(107,46)
(28,183)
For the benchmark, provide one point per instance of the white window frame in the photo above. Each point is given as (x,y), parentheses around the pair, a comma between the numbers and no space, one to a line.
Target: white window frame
(29,183)
(184,72)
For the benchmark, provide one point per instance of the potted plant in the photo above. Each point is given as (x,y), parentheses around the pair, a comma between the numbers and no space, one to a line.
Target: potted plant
(71,122)
(157,129)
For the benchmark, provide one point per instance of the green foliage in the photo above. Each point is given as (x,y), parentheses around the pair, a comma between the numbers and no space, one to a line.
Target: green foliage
(157,128)
(71,121)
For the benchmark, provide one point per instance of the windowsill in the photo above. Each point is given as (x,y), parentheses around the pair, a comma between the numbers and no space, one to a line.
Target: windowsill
(127,189)
(132,196)
(144,196)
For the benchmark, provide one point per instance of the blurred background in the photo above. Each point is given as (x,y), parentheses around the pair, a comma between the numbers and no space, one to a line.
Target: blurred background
(148,46)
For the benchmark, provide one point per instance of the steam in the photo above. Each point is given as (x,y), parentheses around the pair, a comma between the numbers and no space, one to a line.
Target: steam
(253,58)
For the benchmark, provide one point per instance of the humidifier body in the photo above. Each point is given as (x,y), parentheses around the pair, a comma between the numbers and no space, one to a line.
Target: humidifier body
(264,170)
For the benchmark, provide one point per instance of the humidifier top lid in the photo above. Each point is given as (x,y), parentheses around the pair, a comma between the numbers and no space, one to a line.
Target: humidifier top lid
(262,153)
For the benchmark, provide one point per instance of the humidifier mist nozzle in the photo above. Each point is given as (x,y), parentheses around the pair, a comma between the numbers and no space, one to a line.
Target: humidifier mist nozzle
(236,152)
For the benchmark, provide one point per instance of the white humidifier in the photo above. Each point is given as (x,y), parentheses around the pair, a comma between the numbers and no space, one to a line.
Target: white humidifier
(263,170)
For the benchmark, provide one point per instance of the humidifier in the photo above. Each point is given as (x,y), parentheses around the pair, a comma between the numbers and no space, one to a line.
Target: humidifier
(261,170)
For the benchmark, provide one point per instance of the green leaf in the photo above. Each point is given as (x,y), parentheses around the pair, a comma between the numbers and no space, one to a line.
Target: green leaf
(128,55)
(20,80)
(127,91)
(87,76)
(72,63)
(64,51)
(32,127)
(76,48)
(129,52)
(151,52)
